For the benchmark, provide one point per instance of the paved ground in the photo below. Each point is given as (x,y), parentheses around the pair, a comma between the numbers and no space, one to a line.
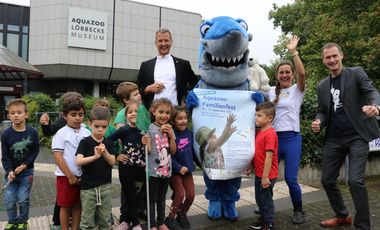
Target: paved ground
(316,205)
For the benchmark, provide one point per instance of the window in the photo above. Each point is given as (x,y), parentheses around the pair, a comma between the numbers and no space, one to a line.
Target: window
(24,47)
(14,28)
(12,42)
(13,18)
(1,16)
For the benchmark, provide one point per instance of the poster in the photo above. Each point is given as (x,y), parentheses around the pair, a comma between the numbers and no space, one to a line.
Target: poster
(224,132)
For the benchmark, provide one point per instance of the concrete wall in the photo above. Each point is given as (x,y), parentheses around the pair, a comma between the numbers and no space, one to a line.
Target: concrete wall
(312,175)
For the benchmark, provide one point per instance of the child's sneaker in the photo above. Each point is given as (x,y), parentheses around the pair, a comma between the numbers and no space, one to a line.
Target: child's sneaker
(55,227)
(183,222)
(267,227)
(10,227)
(170,222)
(22,226)
(255,225)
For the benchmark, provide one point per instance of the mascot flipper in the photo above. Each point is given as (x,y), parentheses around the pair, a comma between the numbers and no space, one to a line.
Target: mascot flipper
(223,63)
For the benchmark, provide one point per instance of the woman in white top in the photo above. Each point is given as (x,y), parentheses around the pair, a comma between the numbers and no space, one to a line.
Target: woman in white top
(287,98)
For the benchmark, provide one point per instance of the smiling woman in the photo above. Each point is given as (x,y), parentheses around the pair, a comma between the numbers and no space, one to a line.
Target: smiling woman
(288,98)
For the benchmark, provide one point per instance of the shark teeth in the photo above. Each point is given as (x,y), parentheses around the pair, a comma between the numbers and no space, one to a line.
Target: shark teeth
(226,62)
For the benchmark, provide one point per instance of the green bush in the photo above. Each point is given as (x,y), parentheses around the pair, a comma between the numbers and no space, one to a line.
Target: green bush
(39,102)
(115,105)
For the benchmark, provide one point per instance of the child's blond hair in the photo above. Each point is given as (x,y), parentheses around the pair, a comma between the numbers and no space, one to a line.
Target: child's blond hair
(102,103)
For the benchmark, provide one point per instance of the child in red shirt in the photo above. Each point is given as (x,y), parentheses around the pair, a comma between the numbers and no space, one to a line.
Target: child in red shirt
(265,162)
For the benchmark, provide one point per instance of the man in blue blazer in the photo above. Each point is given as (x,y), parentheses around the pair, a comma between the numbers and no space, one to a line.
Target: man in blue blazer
(347,106)
(165,75)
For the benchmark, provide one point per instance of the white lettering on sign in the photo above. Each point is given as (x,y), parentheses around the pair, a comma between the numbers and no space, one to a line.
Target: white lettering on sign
(87,29)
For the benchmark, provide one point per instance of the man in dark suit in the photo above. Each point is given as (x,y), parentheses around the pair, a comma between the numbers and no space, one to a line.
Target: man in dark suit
(347,106)
(165,75)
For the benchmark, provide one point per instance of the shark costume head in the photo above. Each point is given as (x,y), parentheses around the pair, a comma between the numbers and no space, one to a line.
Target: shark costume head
(223,53)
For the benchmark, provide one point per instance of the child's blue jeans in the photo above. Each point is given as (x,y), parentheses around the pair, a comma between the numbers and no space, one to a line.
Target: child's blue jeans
(18,193)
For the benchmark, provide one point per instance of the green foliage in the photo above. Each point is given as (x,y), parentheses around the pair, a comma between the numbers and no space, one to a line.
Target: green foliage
(311,145)
(352,24)
(39,102)
(115,105)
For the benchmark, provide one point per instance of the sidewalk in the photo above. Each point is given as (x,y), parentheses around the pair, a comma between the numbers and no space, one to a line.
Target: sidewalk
(316,205)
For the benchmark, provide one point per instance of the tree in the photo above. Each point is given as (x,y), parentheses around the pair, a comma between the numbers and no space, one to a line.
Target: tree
(352,24)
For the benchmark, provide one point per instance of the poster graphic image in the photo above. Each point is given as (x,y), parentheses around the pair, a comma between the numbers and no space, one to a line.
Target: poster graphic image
(224,132)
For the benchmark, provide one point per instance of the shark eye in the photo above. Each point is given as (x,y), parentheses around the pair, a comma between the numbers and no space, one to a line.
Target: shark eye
(244,25)
(204,29)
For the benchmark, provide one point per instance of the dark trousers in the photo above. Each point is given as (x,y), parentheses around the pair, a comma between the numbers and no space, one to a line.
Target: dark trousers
(158,188)
(334,153)
(264,199)
(131,194)
(183,188)
(123,199)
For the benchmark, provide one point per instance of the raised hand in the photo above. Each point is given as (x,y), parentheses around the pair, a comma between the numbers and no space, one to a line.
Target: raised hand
(231,118)
(292,45)
(44,119)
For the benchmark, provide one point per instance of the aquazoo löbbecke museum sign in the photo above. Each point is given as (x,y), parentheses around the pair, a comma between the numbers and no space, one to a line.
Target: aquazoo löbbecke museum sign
(87,29)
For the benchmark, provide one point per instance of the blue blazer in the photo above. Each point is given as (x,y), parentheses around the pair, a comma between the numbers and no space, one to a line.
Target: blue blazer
(357,90)
(185,79)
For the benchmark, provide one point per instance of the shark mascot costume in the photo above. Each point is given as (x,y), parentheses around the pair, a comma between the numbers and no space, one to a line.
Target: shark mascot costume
(223,63)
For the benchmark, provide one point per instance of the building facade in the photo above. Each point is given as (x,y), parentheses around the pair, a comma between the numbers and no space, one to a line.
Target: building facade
(90,46)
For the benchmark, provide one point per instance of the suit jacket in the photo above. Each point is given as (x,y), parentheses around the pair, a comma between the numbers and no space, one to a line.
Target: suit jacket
(357,90)
(185,78)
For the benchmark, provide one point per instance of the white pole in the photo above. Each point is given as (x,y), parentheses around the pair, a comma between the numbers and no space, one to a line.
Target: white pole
(147,186)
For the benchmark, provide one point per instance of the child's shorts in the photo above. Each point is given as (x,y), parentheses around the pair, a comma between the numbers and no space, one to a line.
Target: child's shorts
(67,195)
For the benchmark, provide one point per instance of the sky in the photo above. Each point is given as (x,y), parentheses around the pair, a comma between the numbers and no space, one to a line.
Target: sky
(254,12)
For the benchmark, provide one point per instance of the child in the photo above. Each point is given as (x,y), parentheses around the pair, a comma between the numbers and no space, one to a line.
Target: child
(181,181)
(265,163)
(20,147)
(64,147)
(131,166)
(95,156)
(159,161)
(126,92)
(210,145)
(110,128)
(48,130)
